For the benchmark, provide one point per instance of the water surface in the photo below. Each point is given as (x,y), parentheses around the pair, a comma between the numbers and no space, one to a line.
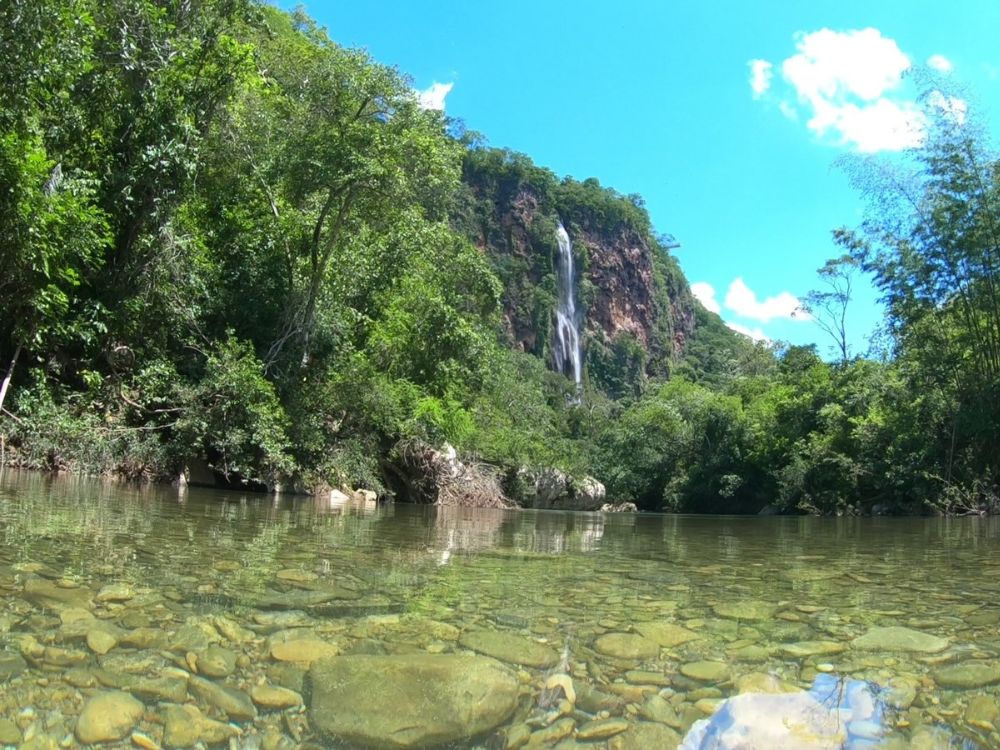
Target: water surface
(758,603)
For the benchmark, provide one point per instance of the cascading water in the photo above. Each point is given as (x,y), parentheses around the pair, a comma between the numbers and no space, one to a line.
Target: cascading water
(567,340)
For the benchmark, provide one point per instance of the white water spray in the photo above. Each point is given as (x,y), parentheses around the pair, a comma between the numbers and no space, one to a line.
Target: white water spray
(567,341)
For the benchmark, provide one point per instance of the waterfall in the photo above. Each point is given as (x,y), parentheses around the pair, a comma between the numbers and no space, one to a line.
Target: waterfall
(567,341)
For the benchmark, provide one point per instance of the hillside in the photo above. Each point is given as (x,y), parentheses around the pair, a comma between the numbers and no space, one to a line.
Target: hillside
(233,249)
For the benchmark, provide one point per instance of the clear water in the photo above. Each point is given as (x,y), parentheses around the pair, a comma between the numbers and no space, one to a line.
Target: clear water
(412,579)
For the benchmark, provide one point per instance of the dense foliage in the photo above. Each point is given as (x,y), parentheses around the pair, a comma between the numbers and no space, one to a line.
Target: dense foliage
(223,237)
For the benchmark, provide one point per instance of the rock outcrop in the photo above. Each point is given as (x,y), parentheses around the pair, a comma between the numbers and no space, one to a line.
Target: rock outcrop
(554,489)
(627,292)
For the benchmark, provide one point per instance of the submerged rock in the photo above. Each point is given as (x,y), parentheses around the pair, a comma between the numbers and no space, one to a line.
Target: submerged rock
(107,716)
(510,647)
(11,665)
(53,596)
(234,703)
(185,725)
(897,638)
(411,701)
(833,715)
(967,676)
(666,634)
(626,646)
(748,609)
(706,671)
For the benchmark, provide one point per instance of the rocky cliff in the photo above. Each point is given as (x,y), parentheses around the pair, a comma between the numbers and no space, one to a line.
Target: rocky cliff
(638,309)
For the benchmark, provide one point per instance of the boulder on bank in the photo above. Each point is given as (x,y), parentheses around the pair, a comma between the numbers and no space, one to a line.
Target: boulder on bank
(410,701)
(549,488)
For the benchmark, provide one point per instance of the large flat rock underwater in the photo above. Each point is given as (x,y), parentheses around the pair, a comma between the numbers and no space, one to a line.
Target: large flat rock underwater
(834,714)
(411,701)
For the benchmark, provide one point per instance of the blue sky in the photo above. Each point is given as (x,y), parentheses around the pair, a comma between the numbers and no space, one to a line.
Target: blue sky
(726,116)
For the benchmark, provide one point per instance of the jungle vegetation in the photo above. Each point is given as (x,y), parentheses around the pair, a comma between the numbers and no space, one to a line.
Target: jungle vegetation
(223,235)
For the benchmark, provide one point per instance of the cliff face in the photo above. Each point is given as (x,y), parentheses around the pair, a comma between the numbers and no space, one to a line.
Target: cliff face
(620,269)
(637,308)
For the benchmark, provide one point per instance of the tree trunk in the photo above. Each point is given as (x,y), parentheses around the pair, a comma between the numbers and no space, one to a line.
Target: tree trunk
(9,375)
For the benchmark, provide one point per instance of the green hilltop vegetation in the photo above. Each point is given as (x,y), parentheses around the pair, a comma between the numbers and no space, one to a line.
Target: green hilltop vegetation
(225,237)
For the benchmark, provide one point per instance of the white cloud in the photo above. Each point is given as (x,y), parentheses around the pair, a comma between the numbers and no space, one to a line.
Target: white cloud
(789,111)
(761,72)
(832,64)
(884,125)
(433,96)
(755,333)
(940,63)
(743,301)
(705,294)
(845,85)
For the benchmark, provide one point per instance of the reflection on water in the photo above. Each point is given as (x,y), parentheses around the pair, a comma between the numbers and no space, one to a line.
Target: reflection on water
(665,618)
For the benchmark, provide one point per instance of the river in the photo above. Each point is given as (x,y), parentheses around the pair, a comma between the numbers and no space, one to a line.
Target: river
(202,612)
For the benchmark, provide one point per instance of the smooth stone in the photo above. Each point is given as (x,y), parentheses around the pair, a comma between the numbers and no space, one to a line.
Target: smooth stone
(747,609)
(53,596)
(233,631)
(967,675)
(753,652)
(100,641)
(108,716)
(898,638)
(269,696)
(186,726)
(982,712)
(296,600)
(9,733)
(144,638)
(666,634)
(658,709)
(706,671)
(172,689)
(601,729)
(76,623)
(216,661)
(639,677)
(991,617)
(410,701)
(234,703)
(516,736)
(626,646)
(509,647)
(645,735)
(115,592)
(759,682)
(901,692)
(548,737)
(295,575)
(63,657)
(304,650)
(193,637)
(288,675)
(593,700)
(11,665)
(802,649)
(282,619)
(144,741)
(181,725)
(754,721)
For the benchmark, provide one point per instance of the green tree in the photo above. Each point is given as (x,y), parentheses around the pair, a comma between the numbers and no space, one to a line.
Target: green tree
(828,306)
